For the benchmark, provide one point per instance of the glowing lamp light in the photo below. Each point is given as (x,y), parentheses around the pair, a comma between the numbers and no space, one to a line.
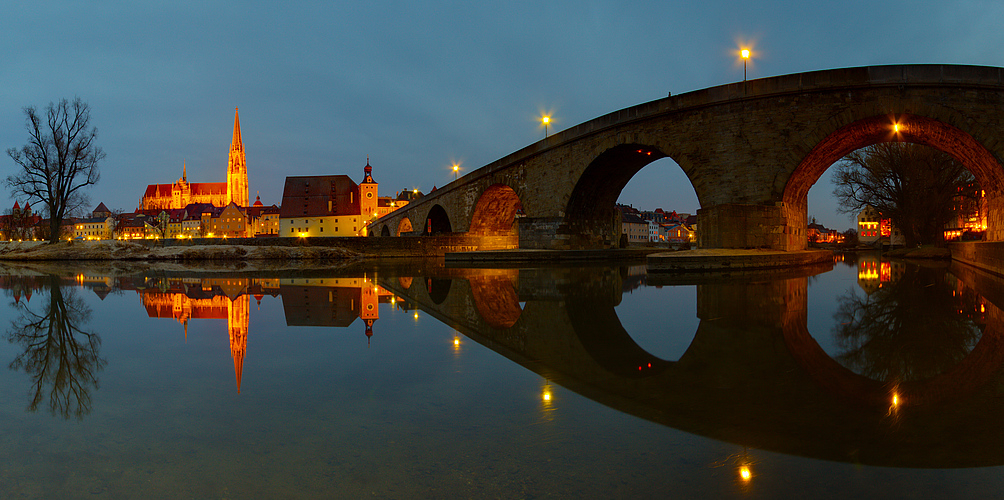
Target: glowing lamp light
(456,342)
(546,119)
(895,127)
(745,474)
(746,53)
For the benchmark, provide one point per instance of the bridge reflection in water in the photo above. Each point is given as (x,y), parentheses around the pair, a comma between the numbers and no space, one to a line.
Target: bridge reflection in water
(753,374)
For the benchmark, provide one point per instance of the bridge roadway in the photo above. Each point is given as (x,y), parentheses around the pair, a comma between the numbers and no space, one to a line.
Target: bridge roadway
(751,150)
(752,374)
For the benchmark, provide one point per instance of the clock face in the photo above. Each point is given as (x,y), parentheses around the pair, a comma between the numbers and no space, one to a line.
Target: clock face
(369,195)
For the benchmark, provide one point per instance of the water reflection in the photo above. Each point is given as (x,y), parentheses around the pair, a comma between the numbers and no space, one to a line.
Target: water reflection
(60,357)
(924,345)
(910,324)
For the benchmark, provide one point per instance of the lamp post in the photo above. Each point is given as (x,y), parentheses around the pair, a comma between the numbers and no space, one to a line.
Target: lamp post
(545,120)
(746,57)
(456,171)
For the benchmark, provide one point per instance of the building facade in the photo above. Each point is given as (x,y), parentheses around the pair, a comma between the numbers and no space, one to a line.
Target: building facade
(182,193)
(331,205)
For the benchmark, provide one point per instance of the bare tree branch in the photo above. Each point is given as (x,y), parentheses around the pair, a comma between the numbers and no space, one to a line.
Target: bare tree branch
(913,185)
(59,160)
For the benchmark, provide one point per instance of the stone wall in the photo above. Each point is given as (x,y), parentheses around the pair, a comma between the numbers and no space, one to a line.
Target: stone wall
(742,226)
(986,255)
(418,246)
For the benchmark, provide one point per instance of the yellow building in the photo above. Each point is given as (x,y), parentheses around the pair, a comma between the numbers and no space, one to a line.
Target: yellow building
(331,205)
(99,227)
(230,222)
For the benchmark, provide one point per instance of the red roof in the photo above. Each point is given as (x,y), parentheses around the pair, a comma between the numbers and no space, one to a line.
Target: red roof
(310,196)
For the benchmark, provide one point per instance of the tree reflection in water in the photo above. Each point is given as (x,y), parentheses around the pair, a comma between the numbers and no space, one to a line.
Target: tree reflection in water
(911,328)
(61,359)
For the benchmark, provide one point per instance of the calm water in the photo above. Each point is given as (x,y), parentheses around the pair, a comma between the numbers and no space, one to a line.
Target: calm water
(393,380)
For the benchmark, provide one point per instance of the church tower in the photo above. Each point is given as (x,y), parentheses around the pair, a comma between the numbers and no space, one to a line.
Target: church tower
(237,170)
(368,193)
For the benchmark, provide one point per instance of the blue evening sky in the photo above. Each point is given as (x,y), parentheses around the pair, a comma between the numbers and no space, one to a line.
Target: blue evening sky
(417,86)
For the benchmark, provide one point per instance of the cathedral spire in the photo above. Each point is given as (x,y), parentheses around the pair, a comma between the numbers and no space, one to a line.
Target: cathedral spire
(184,171)
(237,172)
(236,144)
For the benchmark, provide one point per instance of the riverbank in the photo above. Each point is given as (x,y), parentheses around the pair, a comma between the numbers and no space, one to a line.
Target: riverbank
(127,250)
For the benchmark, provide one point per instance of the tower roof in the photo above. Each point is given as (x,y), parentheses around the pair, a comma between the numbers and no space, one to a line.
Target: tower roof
(236,143)
(368,173)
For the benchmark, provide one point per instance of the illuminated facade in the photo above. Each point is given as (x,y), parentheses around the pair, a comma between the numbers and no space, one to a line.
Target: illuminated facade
(220,298)
(332,205)
(182,193)
(969,214)
(306,302)
(231,222)
(332,301)
(872,228)
(873,272)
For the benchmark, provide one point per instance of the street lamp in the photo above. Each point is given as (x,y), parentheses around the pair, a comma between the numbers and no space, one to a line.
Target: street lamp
(746,57)
(545,120)
(456,171)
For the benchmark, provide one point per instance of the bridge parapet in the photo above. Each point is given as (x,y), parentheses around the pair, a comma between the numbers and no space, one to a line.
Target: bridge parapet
(751,151)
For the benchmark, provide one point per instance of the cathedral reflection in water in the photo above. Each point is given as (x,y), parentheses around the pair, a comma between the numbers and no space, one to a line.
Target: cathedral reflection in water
(330,302)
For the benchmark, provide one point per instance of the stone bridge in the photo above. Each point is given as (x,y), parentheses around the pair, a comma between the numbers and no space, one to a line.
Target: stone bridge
(752,375)
(751,151)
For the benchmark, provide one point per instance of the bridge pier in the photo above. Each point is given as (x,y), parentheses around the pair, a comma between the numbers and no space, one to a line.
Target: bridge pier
(557,233)
(733,225)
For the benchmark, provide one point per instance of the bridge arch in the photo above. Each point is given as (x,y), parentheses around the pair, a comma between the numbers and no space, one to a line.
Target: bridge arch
(385,231)
(495,211)
(910,128)
(591,206)
(403,227)
(750,149)
(437,221)
(496,300)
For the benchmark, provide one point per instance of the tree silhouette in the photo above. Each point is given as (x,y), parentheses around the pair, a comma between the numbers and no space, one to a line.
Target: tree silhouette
(59,160)
(913,185)
(61,358)
(909,329)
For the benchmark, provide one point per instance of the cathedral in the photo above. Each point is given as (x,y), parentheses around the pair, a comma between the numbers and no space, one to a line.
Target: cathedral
(220,194)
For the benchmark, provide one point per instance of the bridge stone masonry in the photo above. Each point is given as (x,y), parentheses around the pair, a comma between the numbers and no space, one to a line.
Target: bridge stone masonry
(751,150)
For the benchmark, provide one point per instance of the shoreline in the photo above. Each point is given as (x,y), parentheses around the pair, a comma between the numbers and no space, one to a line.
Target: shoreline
(114,250)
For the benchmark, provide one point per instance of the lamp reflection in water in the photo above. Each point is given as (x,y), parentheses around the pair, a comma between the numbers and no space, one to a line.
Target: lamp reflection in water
(546,402)
(743,464)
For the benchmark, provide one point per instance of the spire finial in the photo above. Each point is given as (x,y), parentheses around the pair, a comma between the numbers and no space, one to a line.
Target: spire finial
(236,143)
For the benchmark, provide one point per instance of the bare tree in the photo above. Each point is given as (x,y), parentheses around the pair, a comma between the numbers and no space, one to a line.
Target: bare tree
(59,160)
(59,356)
(913,185)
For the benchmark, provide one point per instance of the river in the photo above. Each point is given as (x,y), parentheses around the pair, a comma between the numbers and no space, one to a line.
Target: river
(397,379)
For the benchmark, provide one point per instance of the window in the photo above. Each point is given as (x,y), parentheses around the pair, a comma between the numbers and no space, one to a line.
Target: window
(322,229)
(291,231)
